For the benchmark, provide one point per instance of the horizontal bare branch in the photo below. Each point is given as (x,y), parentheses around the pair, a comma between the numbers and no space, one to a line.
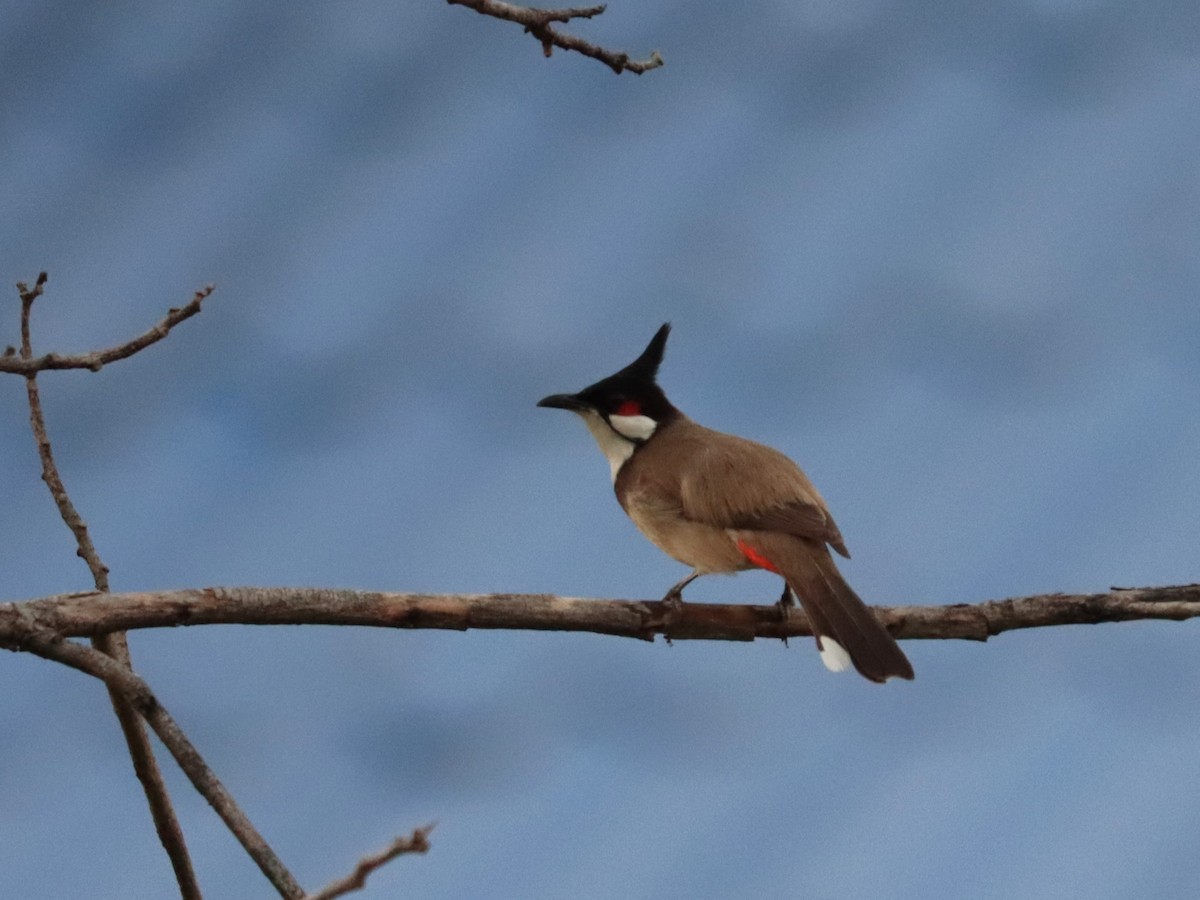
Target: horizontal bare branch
(12,363)
(88,614)
(538,23)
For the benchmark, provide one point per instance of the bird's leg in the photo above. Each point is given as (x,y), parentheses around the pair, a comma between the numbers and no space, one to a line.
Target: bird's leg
(674,597)
(671,604)
(785,604)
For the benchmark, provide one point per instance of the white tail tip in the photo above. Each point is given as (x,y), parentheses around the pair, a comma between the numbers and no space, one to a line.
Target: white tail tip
(833,654)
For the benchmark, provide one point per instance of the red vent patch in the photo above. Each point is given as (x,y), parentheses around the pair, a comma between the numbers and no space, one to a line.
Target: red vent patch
(755,557)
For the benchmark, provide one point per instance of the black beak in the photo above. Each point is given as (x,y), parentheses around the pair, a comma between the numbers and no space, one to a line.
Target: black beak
(563,401)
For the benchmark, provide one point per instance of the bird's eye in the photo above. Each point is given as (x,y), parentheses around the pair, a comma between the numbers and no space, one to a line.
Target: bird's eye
(629,408)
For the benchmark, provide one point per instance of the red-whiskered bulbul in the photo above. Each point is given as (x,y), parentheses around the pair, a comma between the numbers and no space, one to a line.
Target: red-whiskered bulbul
(721,503)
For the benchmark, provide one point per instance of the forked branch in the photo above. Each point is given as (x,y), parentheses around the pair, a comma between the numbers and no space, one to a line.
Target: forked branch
(16,364)
(141,753)
(29,635)
(132,699)
(539,22)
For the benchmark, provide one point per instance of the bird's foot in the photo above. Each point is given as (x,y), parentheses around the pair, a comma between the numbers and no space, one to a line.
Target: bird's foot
(784,604)
(670,611)
(670,608)
(672,601)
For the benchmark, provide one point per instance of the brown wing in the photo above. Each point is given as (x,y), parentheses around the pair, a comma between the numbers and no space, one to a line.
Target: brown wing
(802,519)
(731,482)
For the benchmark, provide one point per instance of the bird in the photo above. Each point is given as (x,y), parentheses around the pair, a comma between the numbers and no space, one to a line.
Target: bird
(720,503)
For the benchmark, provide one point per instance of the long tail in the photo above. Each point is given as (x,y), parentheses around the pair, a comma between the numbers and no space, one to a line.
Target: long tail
(833,608)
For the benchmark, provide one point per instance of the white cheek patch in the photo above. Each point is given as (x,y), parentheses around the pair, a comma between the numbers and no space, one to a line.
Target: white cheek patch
(636,428)
(616,449)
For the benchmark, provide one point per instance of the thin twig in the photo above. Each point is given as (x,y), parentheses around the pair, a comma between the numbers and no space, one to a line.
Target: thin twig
(85,615)
(417,842)
(114,644)
(538,23)
(27,634)
(11,363)
(86,550)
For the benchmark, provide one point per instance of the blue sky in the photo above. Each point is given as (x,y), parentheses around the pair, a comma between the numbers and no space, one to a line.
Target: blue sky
(942,255)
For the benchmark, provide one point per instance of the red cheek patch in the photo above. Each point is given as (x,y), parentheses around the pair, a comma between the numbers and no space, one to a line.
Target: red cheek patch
(755,557)
(629,408)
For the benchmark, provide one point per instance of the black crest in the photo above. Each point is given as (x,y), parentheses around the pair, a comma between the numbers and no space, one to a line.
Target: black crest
(636,382)
(645,367)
